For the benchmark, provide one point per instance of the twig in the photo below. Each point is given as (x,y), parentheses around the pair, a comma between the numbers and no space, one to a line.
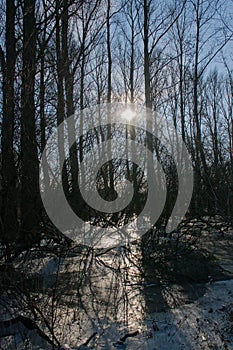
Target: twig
(89,339)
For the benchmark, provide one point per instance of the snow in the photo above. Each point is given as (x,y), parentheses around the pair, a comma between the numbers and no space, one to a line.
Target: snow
(114,304)
(203,324)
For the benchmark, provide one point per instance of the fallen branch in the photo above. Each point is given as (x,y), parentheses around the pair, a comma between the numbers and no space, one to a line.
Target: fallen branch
(127,335)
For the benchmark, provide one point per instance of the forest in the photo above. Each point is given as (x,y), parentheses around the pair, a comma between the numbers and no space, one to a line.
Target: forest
(116,123)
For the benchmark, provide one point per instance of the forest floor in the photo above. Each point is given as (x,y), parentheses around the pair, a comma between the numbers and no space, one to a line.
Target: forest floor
(200,314)
(130,299)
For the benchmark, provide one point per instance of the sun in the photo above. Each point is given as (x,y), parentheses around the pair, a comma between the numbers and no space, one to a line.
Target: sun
(128,115)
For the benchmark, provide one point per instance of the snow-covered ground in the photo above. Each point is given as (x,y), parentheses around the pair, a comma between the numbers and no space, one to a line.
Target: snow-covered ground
(205,324)
(112,297)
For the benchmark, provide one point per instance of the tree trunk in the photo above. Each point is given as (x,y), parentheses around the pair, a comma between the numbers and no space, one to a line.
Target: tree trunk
(69,92)
(109,100)
(42,116)
(30,198)
(146,55)
(9,176)
(60,100)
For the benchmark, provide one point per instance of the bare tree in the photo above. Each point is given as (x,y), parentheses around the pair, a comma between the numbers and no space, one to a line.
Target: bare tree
(9,227)
(30,199)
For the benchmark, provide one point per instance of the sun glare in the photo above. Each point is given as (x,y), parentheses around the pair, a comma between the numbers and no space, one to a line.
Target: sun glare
(128,115)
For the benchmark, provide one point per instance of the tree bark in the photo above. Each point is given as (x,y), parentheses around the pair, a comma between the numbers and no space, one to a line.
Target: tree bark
(69,93)
(9,174)
(109,100)
(146,55)
(30,198)
(60,99)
